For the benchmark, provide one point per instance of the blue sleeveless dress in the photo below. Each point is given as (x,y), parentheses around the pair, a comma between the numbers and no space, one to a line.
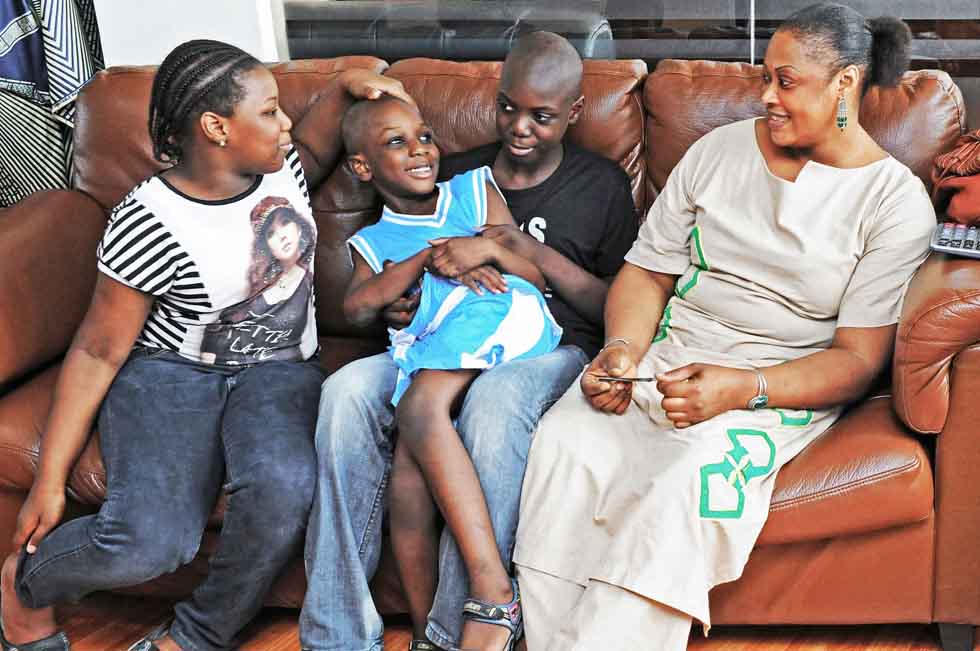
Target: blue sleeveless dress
(455,328)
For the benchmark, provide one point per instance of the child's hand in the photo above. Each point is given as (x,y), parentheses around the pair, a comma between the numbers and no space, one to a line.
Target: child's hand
(454,256)
(367,84)
(400,313)
(484,276)
(41,512)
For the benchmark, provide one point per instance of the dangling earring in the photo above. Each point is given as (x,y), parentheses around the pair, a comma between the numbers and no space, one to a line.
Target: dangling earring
(841,113)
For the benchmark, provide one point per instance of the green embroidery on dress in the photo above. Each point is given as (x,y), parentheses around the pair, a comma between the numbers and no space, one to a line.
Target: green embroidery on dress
(736,470)
(801,420)
(702,264)
(664,326)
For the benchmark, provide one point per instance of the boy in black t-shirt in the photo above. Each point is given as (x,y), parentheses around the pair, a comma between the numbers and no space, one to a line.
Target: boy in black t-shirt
(576,221)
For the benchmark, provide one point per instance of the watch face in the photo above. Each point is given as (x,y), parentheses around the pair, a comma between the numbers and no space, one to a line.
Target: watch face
(759,402)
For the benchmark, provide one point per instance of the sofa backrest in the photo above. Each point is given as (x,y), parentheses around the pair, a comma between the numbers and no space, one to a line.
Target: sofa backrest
(645,123)
(915,121)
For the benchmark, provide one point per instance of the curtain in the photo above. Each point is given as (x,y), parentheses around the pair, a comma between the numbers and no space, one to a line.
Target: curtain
(49,49)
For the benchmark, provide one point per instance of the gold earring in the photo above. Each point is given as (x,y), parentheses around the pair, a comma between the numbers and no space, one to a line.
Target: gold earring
(841,113)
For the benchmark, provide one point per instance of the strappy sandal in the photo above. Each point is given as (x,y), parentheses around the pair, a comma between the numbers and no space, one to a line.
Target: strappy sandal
(422,645)
(55,642)
(509,615)
(148,642)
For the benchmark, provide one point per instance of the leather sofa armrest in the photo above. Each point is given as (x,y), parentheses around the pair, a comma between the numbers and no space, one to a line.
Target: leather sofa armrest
(47,263)
(940,319)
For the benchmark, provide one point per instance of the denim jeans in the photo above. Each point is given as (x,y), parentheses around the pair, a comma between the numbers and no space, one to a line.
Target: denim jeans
(354,450)
(171,432)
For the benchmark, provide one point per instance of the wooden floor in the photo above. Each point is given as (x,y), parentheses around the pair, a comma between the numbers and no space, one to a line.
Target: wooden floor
(111,622)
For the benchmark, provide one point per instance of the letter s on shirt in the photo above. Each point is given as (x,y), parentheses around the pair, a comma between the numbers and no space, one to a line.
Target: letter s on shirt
(535,227)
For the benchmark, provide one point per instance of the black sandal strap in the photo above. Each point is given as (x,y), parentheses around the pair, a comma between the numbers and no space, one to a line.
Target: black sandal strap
(56,642)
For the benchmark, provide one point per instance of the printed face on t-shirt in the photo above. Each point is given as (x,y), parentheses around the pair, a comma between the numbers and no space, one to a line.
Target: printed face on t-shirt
(283,241)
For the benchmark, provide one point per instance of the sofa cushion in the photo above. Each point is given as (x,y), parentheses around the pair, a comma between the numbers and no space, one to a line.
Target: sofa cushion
(917,120)
(866,473)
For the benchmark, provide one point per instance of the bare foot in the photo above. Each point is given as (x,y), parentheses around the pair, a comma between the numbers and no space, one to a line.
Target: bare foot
(20,623)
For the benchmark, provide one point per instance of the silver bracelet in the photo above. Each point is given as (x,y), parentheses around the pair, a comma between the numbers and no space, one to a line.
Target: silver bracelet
(622,340)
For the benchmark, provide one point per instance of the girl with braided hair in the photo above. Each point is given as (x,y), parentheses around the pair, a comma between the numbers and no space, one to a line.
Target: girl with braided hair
(177,425)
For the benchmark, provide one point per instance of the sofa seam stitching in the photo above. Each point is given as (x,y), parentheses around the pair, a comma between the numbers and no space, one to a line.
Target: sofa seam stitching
(846,488)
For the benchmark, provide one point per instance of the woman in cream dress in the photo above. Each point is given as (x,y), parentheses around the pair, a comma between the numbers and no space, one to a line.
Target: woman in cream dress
(762,293)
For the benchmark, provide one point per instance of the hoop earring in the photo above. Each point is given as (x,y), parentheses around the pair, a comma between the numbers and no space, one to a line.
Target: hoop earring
(841,113)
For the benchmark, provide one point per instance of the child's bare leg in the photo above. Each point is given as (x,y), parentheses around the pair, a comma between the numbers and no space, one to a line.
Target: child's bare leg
(20,623)
(426,432)
(414,537)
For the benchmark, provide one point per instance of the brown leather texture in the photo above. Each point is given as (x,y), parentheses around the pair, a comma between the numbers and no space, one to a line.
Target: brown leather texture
(940,319)
(885,576)
(864,527)
(47,249)
(916,121)
(864,474)
(958,497)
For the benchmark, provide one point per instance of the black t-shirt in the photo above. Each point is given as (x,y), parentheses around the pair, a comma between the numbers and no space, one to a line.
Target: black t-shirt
(584,211)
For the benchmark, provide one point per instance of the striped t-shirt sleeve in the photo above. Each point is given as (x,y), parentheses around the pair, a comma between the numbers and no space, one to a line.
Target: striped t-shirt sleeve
(138,251)
(296,167)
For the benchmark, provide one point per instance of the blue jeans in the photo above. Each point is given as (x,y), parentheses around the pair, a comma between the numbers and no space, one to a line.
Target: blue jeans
(171,432)
(354,450)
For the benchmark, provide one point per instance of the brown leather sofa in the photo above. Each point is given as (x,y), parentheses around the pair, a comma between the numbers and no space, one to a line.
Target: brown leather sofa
(878,521)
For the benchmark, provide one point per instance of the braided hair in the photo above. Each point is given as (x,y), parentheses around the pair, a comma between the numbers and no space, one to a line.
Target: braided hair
(842,36)
(197,76)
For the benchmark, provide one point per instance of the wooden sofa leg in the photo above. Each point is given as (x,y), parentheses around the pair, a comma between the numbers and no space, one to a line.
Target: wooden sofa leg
(956,637)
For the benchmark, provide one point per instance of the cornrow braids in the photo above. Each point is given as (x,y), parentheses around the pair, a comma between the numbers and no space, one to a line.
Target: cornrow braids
(197,76)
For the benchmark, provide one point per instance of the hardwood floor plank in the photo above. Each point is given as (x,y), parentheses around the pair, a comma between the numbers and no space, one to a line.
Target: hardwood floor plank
(106,622)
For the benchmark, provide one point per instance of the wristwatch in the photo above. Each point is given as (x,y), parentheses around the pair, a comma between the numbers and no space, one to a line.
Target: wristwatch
(761,400)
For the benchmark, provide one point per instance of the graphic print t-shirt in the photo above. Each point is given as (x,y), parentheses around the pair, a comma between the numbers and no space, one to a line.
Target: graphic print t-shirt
(233,279)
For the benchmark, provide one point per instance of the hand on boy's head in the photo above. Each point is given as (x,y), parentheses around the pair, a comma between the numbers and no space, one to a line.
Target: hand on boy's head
(367,84)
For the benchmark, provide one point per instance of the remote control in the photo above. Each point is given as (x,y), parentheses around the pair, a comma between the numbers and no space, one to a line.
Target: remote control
(956,239)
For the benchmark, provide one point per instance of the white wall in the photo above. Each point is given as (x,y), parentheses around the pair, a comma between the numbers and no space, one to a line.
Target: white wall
(139,32)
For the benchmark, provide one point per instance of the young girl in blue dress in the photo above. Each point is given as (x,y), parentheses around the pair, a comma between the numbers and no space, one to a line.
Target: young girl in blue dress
(464,323)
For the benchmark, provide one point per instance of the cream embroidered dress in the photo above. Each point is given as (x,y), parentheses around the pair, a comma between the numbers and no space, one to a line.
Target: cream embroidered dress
(768,270)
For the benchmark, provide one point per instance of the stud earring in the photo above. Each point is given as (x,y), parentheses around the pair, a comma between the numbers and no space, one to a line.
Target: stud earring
(223,142)
(841,113)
